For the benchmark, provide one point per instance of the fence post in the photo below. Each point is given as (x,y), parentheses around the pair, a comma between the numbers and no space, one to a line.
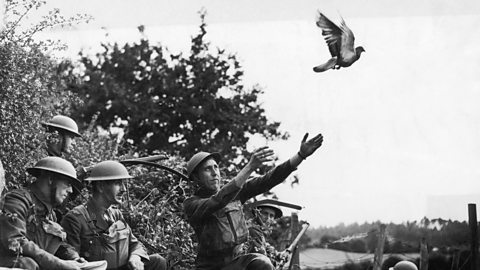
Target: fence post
(378,258)
(472,222)
(295,229)
(423,254)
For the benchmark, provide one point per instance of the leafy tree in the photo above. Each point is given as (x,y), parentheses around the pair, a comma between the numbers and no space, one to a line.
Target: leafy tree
(175,103)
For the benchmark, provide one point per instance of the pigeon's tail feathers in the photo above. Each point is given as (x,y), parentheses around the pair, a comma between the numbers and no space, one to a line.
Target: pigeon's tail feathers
(328,65)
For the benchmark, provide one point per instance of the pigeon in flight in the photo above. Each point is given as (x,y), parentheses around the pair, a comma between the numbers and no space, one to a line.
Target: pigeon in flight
(340,41)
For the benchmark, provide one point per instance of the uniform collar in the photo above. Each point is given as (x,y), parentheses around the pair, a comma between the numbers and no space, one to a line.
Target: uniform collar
(94,208)
(52,150)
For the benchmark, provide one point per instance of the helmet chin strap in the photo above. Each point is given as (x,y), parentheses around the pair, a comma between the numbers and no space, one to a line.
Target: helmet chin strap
(53,191)
(54,149)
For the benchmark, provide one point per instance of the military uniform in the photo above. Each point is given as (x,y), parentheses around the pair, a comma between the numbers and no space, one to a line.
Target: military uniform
(257,243)
(114,243)
(30,238)
(219,222)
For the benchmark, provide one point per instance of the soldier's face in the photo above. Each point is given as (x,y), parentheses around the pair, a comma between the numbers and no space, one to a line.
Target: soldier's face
(267,215)
(63,188)
(61,141)
(67,142)
(208,175)
(113,191)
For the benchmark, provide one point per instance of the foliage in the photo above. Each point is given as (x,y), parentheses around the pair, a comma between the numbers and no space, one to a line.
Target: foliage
(155,212)
(29,94)
(179,104)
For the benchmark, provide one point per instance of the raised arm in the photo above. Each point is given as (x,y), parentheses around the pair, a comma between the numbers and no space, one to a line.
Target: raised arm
(278,174)
(259,157)
(307,148)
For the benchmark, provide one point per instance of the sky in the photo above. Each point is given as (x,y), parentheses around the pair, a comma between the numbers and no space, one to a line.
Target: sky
(401,126)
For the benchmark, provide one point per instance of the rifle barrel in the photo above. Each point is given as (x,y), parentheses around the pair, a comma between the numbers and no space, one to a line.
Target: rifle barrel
(299,236)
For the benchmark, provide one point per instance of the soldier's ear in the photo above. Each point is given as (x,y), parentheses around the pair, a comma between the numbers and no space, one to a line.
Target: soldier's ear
(99,186)
(195,180)
(194,177)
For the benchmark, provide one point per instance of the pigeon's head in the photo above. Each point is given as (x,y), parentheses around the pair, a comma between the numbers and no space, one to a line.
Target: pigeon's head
(359,50)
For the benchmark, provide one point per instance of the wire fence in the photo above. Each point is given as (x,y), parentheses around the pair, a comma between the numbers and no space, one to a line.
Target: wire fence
(316,262)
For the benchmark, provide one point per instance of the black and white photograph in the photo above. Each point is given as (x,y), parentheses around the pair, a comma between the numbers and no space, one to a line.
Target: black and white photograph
(239,135)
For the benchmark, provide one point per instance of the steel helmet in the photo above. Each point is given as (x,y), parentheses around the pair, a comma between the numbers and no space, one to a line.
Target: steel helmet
(278,211)
(198,158)
(404,265)
(108,170)
(56,165)
(64,123)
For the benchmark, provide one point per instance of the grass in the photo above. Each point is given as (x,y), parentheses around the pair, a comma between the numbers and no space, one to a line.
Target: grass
(319,258)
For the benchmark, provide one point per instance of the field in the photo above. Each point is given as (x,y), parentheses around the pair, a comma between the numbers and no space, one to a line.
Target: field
(320,258)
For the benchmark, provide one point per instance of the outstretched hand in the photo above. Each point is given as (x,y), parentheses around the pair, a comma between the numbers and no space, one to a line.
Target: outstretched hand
(307,148)
(261,156)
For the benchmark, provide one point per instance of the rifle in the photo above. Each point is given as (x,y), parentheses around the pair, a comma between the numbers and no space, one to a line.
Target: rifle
(291,248)
(133,161)
(275,202)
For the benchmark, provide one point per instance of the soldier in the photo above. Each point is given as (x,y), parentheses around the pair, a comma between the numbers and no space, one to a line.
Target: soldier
(260,227)
(62,131)
(216,214)
(30,238)
(97,229)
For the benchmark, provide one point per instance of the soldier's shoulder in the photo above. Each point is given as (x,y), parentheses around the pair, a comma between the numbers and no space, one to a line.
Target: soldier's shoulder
(22,195)
(191,199)
(78,210)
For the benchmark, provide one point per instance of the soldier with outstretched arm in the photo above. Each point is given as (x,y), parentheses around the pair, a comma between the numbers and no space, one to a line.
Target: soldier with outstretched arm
(216,213)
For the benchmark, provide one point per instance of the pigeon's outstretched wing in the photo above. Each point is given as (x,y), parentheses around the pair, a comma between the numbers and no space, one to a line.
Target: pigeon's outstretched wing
(332,33)
(347,39)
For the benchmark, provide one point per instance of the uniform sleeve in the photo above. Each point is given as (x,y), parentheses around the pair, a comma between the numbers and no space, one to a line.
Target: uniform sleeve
(72,227)
(264,183)
(13,222)
(197,208)
(257,240)
(136,247)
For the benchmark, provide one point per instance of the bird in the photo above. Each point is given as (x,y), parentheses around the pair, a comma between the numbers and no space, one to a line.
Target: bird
(340,41)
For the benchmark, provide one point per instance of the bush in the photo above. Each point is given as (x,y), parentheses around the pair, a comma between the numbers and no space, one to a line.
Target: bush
(155,212)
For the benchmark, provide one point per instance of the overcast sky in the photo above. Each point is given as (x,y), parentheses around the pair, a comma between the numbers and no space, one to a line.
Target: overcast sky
(401,125)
